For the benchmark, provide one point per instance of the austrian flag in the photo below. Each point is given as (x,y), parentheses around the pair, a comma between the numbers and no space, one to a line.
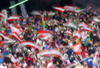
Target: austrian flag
(68,32)
(29,44)
(59,9)
(13,18)
(45,35)
(51,52)
(16,29)
(3,15)
(77,48)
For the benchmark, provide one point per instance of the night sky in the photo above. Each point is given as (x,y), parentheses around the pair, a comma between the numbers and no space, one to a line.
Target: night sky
(37,4)
(4,4)
(47,4)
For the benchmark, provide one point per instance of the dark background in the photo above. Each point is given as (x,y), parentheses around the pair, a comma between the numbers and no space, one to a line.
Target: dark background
(36,4)
(47,4)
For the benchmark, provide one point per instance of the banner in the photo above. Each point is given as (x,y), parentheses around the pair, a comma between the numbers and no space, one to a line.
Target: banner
(3,16)
(23,9)
(13,10)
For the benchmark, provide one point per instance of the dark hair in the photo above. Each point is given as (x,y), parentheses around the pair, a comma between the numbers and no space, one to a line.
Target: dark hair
(58,66)
(56,59)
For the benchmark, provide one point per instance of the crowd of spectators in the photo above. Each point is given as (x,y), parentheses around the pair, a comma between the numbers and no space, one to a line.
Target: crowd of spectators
(55,24)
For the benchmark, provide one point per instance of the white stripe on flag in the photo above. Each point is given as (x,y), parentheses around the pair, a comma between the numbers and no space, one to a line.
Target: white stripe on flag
(16,37)
(59,8)
(13,17)
(30,44)
(49,64)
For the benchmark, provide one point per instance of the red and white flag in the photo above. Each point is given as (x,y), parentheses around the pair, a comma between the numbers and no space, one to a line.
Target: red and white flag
(50,65)
(77,48)
(4,36)
(3,31)
(16,36)
(13,18)
(89,7)
(16,29)
(84,35)
(25,65)
(95,56)
(6,39)
(70,25)
(3,15)
(12,58)
(45,35)
(36,13)
(68,32)
(58,8)
(77,34)
(30,44)
(66,20)
(51,52)
(70,8)
(87,29)
(82,25)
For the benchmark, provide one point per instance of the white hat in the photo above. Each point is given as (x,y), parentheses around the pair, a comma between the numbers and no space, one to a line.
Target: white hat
(17,50)
(43,62)
(25,48)
(21,36)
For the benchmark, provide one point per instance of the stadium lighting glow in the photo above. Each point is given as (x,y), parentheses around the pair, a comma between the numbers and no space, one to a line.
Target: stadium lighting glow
(18,4)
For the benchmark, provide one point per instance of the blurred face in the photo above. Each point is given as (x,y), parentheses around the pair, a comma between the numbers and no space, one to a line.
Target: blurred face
(20,58)
(14,65)
(91,48)
(0,38)
(7,55)
(3,63)
(15,55)
(39,61)
(57,63)
(10,65)
(86,54)
(85,49)
(31,66)
(99,49)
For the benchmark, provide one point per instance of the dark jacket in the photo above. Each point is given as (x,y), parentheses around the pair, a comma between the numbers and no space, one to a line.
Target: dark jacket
(7,60)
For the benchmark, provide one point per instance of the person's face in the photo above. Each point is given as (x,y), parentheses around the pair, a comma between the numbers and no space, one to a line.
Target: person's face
(39,61)
(36,67)
(99,49)
(31,66)
(82,42)
(66,56)
(15,55)
(3,63)
(0,38)
(14,65)
(7,55)
(85,49)
(57,63)
(26,31)
(10,65)
(91,48)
